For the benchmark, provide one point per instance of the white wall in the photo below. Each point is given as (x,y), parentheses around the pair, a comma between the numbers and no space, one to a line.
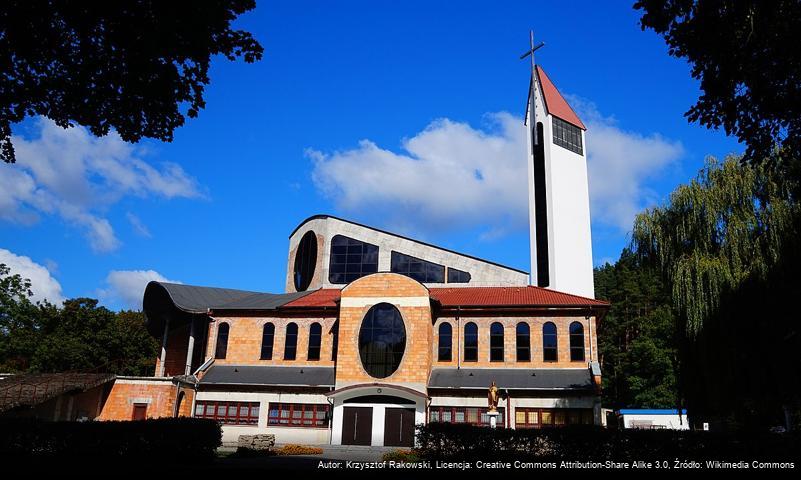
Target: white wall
(302,435)
(379,411)
(482,273)
(568,210)
(671,421)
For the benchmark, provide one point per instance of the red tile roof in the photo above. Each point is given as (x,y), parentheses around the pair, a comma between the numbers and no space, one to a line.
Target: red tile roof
(510,296)
(555,102)
(324,297)
(470,297)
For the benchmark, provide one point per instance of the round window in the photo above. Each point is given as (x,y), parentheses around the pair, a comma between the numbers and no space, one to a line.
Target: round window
(382,340)
(305,261)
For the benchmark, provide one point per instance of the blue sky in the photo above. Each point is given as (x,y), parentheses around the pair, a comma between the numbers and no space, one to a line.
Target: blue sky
(404,115)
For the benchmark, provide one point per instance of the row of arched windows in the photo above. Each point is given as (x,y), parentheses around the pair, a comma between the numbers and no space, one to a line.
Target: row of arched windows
(290,341)
(550,351)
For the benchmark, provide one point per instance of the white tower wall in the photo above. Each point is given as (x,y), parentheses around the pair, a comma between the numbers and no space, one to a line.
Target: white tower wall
(569,242)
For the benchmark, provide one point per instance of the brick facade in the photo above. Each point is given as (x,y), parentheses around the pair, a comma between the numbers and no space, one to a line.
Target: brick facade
(510,341)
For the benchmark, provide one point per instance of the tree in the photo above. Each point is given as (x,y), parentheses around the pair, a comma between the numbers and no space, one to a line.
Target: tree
(727,245)
(137,66)
(80,336)
(18,321)
(745,54)
(637,337)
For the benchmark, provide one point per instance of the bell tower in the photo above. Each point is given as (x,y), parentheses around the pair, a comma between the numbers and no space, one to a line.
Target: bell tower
(558,190)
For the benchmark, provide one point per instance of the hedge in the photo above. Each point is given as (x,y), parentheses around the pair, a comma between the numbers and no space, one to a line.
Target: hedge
(167,439)
(442,441)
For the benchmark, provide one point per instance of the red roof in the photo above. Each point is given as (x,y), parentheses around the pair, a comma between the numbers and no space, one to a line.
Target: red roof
(471,297)
(324,297)
(555,102)
(510,296)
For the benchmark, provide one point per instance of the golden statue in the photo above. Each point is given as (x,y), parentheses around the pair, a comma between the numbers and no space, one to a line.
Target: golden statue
(492,397)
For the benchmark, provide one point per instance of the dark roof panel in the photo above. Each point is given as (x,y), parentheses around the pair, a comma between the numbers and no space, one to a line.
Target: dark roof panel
(512,378)
(267,375)
(30,389)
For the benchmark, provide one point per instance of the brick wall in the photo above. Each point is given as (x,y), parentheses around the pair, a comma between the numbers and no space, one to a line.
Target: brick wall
(510,341)
(407,295)
(177,346)
(245,337)
(157,394)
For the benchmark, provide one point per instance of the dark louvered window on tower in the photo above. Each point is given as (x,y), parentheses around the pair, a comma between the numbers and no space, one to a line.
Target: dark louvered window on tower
(351,259)
(567,135)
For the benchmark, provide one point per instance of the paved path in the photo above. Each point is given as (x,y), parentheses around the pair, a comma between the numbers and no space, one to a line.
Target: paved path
(292,462)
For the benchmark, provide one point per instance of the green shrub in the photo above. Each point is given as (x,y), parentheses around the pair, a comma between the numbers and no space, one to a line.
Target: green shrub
(401,456)
(441,441)
(166,439)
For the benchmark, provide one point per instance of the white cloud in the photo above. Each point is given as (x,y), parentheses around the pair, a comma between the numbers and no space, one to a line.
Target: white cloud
(452,175)
(127,287)
(620,164)
(43,285)
(77,176)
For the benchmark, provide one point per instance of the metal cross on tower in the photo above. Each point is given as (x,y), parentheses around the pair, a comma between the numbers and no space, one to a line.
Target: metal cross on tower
(531,104)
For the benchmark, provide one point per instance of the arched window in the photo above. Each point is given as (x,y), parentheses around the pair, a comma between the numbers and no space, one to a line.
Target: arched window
(382,340)
(549,352)
(523,334)
(496,342)
(222,341)
(267,335)
(335,341)
(315,337)
(471,342)
(576,342)
(445,342)
(291,341)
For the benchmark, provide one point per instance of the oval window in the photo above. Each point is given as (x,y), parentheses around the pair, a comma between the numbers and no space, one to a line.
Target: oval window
(305,261)
(382,340)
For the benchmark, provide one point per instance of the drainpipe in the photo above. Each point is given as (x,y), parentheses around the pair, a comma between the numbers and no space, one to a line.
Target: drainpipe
(508,409)
(331,418)
(589,327)
(458,341)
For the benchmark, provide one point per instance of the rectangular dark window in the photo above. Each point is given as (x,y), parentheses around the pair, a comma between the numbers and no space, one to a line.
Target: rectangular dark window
(228,413)
(351,259)
(307,415)
(468,415)
(552,417)
(567,135)
(458,276)
(420,270)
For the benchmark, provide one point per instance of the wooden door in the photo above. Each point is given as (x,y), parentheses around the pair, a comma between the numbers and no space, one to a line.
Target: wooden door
(399,427)
(357,425)
(139,411)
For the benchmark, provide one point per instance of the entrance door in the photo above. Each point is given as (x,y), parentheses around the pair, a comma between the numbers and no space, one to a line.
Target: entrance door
(399,427)
(139,411)
(357,425)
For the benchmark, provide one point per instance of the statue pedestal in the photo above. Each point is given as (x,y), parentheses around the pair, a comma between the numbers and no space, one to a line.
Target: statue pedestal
(493,416)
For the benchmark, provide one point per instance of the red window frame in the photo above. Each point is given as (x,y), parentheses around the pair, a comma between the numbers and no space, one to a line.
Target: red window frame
(584,416)
(296,415)
(246,413)
(480,412)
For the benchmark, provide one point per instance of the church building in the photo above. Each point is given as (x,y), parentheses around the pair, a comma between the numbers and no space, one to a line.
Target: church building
(376,332)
